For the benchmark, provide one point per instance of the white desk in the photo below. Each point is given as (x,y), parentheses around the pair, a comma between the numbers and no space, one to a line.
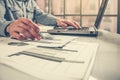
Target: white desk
(106,66)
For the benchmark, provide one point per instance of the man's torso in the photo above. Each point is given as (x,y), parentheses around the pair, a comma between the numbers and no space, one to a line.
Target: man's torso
(19,8)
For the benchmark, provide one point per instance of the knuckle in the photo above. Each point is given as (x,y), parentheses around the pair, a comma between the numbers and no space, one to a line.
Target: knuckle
(28,21)
(22,30)
(28,28)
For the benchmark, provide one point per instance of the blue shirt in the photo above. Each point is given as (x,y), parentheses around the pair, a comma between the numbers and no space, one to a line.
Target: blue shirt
(11,10)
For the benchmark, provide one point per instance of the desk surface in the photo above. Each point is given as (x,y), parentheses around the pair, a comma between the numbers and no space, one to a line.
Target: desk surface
(106,65)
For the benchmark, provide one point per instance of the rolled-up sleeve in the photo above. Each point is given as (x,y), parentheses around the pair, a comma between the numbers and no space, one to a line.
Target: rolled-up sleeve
(3,22)
(44,18)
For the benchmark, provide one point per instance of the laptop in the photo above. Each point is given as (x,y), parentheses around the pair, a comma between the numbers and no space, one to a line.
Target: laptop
(84,31)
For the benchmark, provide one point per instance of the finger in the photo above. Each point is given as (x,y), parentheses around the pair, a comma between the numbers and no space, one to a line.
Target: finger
(30,23)
(17,36)
(32,34)
(22,25)
(77,24)
(70,23)
(28,35)
(25,33)
(63,25)
(36,35)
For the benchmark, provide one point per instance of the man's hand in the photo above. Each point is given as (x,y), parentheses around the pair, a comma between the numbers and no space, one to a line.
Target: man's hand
(23,28)
(65,23)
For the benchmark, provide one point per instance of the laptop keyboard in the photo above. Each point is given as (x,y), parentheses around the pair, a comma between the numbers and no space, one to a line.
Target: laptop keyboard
(83,28)
(85,31)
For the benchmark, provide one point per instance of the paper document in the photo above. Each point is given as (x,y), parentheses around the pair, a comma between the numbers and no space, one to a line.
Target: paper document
(69,63)
(51,41)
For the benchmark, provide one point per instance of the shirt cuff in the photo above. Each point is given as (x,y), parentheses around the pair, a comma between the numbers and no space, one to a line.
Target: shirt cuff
(3,27)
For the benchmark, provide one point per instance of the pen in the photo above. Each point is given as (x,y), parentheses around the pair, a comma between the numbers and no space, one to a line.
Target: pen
(41,35)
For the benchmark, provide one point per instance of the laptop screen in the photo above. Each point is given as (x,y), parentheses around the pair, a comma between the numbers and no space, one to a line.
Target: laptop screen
(100,13)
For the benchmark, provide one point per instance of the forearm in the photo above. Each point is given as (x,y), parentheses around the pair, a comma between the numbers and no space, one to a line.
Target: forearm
(45,19)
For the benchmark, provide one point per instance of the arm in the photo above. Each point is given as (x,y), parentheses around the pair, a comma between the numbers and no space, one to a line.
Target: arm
(20,29)
(47,19)
(3,22)
(44,18)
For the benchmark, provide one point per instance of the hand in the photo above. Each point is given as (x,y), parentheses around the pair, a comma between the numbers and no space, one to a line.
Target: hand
(23,28)
(65,23)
